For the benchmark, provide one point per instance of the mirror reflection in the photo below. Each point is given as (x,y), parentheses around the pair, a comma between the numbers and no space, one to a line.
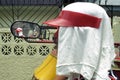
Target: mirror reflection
(25,29)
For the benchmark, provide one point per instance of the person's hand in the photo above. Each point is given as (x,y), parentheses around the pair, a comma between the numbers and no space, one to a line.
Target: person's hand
(54,52)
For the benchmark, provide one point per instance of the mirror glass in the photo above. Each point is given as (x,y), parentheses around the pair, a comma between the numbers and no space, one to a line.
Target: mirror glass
(25,29)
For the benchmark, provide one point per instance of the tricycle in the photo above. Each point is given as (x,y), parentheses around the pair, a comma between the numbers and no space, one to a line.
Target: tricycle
(33,33)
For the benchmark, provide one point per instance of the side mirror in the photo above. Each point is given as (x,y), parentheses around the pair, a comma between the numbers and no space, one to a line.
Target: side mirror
(32,32)
(23,29)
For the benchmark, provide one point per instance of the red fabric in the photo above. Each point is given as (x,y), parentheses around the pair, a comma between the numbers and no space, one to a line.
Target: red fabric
(18,30)
(117,58)
(56,37)
(71,19)
(112,78)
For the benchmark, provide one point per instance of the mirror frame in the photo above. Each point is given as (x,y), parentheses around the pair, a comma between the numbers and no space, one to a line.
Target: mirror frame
(11,29)
(30,39)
